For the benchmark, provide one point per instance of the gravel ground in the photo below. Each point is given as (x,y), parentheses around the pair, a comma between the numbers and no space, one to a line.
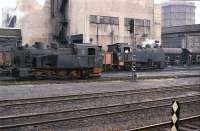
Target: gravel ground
(50,90)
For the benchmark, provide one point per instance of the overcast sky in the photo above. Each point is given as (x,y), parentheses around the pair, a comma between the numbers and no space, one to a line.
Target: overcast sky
(12,4)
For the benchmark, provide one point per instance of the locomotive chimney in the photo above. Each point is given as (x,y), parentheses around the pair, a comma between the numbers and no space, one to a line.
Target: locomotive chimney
(39,45)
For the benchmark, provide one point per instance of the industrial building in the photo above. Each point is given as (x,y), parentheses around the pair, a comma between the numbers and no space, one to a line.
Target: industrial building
(33,19)
(90,21)
(157,22)
(187,36)
(178,14)
(103,22)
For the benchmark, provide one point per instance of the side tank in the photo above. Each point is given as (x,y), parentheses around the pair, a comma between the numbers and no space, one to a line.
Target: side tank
(77,60)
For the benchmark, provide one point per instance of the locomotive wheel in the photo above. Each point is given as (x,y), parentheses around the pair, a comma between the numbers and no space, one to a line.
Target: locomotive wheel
(85,74)
(61,74)
(73,74)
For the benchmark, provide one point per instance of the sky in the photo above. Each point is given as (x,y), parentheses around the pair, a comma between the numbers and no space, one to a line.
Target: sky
(12,4)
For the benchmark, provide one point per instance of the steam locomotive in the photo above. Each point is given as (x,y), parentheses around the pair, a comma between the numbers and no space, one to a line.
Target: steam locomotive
(146,58)
(73,61)
(120,57)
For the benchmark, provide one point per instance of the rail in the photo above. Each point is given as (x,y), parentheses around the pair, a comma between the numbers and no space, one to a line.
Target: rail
(142,108)
(93,95)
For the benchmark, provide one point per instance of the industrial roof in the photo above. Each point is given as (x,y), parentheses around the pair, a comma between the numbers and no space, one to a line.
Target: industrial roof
(178,3)
(181,29)
(9,32)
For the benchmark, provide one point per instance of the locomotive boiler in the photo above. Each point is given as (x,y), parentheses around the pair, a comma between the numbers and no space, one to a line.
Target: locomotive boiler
(146,58)
(73,61)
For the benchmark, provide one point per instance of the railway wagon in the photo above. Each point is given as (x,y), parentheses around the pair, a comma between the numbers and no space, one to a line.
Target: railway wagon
(180,56)
(173,56)
(146,58)
(73,61)
(191,56)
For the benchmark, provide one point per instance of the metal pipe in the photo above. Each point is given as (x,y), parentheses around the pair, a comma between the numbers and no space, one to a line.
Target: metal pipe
(98,34)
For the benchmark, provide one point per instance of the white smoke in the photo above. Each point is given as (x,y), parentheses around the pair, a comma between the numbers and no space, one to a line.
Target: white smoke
(149,42)
(41,2)
(33,19)
(19,14)
(24,8)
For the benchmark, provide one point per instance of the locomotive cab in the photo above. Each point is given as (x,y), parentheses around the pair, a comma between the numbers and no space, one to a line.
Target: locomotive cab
(146,58)
(122,55)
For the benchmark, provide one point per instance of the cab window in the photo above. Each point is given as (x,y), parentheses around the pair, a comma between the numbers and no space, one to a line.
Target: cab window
(91,51)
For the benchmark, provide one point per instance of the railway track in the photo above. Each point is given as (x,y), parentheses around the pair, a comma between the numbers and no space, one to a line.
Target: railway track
(185,124)
(194,87)
(43,113)
(99,117)
(50,104)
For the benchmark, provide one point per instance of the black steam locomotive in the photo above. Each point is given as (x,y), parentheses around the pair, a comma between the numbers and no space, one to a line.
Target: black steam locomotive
(149,58)
(37,61)
(146,58)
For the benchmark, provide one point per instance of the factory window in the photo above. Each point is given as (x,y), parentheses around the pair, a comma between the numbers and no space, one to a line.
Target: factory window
(127,21)
(129,24)
(139,22)
(147,23)
(93,19)
(105,19)
(114,20)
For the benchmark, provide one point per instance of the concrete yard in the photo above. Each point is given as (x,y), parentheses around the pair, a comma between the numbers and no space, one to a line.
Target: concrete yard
(151,74)
(13,92)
